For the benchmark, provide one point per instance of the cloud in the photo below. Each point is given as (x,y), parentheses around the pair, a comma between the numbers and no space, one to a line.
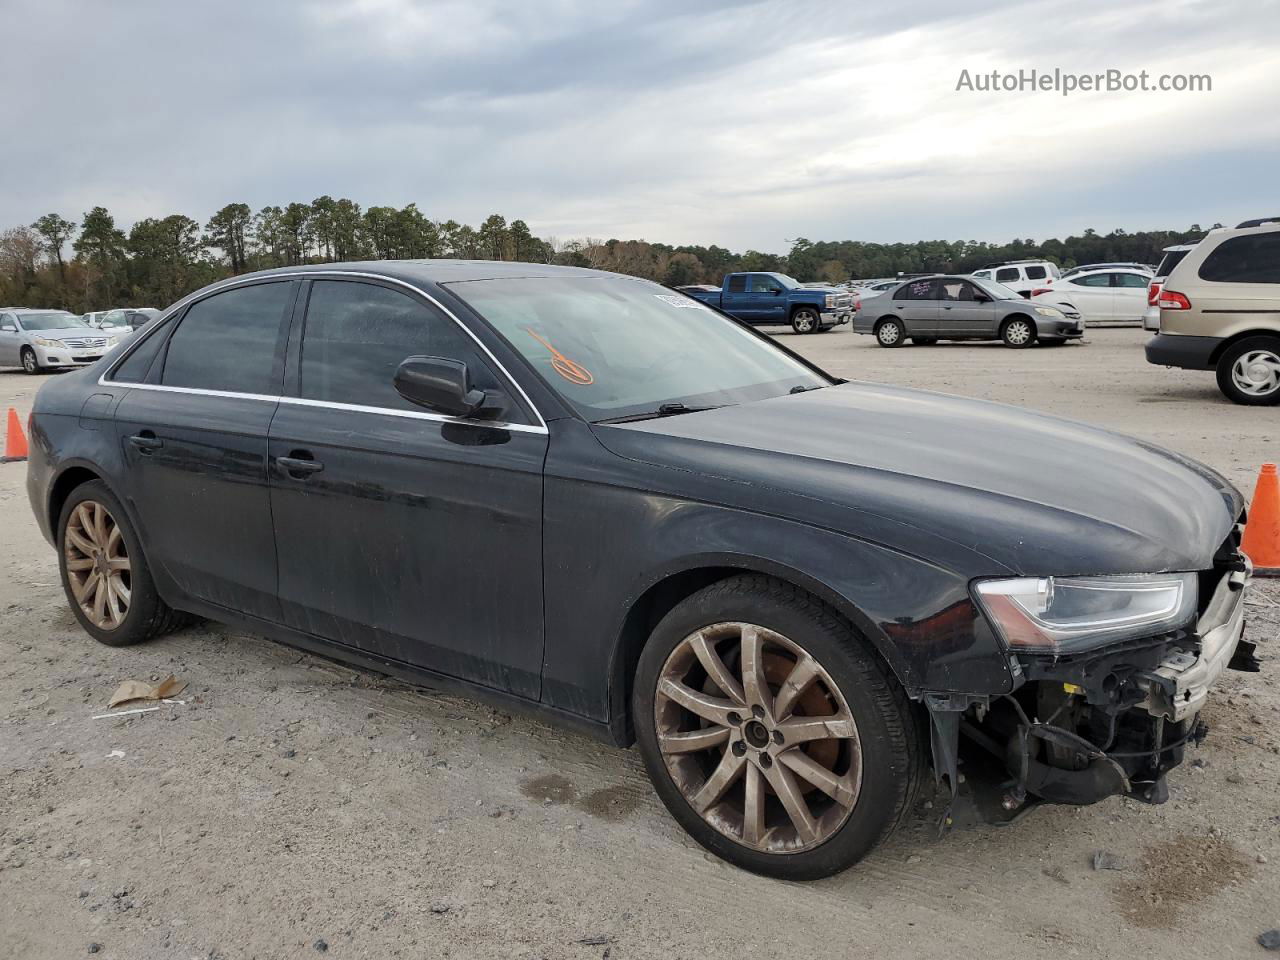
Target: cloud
(743,124)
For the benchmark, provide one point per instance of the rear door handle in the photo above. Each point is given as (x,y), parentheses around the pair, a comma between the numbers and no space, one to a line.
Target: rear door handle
(146,441)
(299,465)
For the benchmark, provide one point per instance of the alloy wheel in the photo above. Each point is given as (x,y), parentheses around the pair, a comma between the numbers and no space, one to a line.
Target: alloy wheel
(758,738)
(1256,373)
(803,322)
(97,563)
(28,361)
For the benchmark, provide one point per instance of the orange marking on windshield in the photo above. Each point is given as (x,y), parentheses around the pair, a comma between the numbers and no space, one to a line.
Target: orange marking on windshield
(571,370)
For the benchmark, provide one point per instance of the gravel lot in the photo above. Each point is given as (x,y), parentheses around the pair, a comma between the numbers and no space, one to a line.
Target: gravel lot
(292,806)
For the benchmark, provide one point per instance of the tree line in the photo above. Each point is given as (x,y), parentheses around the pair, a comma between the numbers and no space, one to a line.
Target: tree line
(96,265)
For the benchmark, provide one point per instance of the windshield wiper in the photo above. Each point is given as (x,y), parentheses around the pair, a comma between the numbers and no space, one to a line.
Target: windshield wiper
(665,410)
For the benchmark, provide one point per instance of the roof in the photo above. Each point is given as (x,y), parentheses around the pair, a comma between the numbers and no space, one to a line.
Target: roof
(439,271)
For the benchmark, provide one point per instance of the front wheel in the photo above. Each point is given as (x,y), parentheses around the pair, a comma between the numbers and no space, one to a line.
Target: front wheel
(806,320)
(29,362)
(772,732)
(1018,332)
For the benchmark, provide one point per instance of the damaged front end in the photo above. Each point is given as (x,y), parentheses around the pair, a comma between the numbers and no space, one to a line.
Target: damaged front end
(1089,719)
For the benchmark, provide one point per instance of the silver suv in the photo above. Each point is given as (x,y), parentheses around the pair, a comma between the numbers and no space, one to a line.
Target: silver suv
(929,309)
(1220,310)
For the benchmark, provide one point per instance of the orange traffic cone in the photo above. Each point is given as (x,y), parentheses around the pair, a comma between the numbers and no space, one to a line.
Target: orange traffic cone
(15,444)
(1261,541)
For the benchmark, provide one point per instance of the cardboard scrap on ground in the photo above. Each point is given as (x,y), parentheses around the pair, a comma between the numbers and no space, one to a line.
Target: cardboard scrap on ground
(132,690)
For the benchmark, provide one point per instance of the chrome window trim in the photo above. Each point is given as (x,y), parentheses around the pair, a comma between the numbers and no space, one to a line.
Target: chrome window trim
(330,405)
(541,428)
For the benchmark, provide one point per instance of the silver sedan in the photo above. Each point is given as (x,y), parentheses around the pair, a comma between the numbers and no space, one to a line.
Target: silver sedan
(39,340)
(928,309)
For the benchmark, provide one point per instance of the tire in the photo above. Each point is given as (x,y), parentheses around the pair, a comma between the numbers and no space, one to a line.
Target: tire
(1018,332)
(144,614)
(924,341)
(30,363)
(889,332)
(870,754)
(806,320)
(1249,371)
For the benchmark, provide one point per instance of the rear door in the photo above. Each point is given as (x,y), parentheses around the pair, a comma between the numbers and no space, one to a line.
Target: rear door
(194,437)
(734,300)
(916,304)
(1129,296)
(401,532)
(766,299)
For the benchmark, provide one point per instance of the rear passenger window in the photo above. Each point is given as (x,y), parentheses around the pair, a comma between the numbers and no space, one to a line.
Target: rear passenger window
(357,334)
(738,284)
(916,290)
(1036,273)
(1007,275)
(230,341)
(1247,259)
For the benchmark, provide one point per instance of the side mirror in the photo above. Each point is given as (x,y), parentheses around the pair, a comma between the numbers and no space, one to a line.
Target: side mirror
(444,386)
(981,298)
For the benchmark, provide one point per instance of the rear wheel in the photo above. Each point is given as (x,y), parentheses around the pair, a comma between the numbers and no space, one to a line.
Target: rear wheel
(1018,332)
(889,333)
(104,572)
(772,732)
(806,320)
(1249,371)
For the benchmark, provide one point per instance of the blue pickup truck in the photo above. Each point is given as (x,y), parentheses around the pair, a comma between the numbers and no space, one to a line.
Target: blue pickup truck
(763,298)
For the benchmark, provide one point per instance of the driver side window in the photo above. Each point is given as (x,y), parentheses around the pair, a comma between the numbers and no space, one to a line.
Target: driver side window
(357,334)
(762,284)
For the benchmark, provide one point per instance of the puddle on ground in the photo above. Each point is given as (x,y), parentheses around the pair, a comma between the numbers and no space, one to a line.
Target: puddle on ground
(610,803)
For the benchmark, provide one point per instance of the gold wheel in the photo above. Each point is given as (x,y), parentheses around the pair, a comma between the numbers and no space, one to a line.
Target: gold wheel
(97,563)
(758,738)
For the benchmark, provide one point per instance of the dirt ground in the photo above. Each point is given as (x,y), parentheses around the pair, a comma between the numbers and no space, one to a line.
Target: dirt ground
(291,807)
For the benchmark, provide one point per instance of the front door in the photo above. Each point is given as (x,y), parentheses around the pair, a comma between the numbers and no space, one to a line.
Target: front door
(964,310)
(766,299)
(404,533)
(194,440)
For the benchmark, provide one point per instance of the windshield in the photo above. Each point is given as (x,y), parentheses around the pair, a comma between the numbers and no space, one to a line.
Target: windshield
(998,291)
(49,321)
(621,348)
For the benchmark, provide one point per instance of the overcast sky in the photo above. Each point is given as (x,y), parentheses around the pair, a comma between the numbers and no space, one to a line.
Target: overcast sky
(742,124)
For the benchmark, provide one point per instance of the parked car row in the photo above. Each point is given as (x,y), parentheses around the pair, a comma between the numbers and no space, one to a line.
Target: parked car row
(39,340)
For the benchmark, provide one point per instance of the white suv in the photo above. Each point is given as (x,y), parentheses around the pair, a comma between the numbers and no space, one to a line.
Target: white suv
(1022,276)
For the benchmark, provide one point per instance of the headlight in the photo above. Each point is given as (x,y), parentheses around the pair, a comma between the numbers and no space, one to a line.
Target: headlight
(1049,312)
(42,341)
(830,300)
(1070,614)
(112,341)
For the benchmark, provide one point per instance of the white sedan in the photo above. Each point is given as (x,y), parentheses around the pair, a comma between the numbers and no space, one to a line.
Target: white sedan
(1112,296)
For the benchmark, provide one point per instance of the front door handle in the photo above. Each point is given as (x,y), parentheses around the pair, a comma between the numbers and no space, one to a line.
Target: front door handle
(299,464)
(146,441)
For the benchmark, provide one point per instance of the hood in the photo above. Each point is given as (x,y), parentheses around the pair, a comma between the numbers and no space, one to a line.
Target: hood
(1031,493)
(70,333)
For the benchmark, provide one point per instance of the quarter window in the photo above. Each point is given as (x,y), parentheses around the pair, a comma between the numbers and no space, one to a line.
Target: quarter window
(1131,280)
(357,334)
(1007,275)
(1036,273)
(230,341)
(1245,259)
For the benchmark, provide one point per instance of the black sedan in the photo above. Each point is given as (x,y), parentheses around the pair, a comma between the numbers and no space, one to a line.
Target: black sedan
(597,498)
